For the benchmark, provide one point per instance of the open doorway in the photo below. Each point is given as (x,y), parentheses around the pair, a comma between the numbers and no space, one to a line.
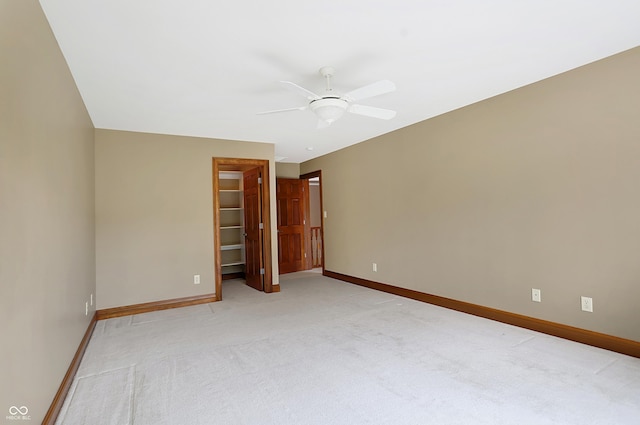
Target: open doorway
(315,224)
(315,229)
(242,229)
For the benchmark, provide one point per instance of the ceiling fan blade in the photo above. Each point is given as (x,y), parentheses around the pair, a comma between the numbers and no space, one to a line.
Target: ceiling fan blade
(300,90)
(371,90)
(370,111)
(300,108)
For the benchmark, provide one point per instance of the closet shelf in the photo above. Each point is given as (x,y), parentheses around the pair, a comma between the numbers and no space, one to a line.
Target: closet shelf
(230,247)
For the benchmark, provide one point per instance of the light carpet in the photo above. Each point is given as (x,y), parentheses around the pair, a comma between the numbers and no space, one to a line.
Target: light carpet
(327,352)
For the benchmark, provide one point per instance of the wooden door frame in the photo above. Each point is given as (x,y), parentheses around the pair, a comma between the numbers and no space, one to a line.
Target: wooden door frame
(308,176)
(239,164)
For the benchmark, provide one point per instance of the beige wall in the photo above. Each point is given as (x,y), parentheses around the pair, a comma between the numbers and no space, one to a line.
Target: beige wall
(536,188)
(47,259)
(154,214)
(287,170)
(315,215)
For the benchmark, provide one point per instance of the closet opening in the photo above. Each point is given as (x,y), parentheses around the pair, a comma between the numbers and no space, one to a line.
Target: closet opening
(242,228)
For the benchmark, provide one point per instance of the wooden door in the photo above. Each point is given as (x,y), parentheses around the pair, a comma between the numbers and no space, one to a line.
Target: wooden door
(252,226)
(291,225)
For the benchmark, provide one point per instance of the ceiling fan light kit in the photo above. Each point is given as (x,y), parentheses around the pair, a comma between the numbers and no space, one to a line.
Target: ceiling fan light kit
(331,106)
(329,109)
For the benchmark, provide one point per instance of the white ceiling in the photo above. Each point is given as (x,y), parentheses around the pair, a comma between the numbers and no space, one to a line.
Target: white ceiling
(205,68)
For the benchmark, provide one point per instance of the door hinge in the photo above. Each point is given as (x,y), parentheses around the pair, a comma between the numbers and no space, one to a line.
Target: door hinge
(259,180)
(261,226)
(261,271)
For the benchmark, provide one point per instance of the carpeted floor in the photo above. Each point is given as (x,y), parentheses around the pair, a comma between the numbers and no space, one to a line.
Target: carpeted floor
(327,352)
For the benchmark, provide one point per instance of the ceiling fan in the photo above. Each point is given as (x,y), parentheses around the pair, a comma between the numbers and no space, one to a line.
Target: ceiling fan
(330,106)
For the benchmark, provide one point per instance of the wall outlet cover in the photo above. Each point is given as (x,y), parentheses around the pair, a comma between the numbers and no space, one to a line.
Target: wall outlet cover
(587,304)
(536,295)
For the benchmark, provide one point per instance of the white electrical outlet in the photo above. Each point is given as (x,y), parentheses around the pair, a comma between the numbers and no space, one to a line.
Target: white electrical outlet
(91,299)
(86,308)
(587,304)
(375,267)
(196,279)
(325,214)
(536,295)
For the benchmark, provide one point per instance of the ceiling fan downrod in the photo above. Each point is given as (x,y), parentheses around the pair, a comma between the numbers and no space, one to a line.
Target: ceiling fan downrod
(327,72)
